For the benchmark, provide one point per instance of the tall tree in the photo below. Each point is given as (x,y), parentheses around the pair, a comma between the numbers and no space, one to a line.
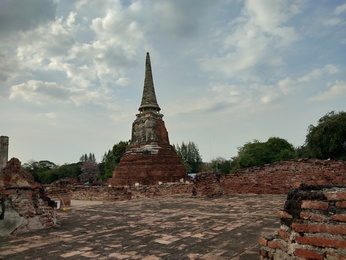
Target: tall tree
(89,168)
(190,157)
(107,166)
(89,171)
(111,159)
(328,138)
(119,149)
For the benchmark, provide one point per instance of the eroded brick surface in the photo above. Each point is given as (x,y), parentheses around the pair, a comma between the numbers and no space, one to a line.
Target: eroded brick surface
(24,205)
(311,226)
(276,178)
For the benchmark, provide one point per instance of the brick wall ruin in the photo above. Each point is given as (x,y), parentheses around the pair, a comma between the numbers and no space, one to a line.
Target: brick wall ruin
(105,193)
(313,226)
(60,191)
(277,178)
(24,205)
(64,190)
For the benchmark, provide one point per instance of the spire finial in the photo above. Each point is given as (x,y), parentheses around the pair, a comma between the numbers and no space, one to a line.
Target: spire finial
(149,102)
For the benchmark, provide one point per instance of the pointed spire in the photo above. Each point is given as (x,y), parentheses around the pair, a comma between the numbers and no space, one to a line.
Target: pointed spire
(149,102)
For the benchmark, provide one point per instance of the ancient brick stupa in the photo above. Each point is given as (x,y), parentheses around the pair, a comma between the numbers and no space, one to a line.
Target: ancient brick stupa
(149,159)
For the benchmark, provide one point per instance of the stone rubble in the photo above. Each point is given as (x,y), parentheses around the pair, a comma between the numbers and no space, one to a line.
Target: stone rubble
(24,205)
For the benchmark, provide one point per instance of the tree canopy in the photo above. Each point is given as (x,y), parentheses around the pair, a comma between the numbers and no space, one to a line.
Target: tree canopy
(219,164)
(47,172)
(328,138)
(258,153)
(111,159)
(189,156)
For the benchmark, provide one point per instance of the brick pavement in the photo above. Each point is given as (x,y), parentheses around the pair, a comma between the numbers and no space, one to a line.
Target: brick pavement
(176,227)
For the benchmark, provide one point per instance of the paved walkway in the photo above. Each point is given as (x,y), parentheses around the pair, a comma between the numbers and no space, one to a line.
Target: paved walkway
(177,227)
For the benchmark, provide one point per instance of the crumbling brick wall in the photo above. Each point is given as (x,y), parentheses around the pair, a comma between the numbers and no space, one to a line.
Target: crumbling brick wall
(276,178)
(66,191)
(313,226)
(99,193)
(164,189)
(24,205)
(60,190)
(208,184)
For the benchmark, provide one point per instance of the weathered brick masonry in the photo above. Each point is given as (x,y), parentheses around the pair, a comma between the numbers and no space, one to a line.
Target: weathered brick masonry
(313,226)
(65,191)
(24,205)
(277,178)
(60,190)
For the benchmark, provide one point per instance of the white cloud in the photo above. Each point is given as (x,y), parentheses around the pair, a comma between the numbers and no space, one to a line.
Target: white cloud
(269,15)
(40,92)
(338,90)
(340,9)
(317,73)
(44,93)
(256,38)
(86,69)
(286,85)
(20,16)
(333,22)
(9,66)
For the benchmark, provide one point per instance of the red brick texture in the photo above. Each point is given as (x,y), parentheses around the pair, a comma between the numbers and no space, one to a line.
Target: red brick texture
(148,167)
(68,191)
(23,202)
(276,178)
(308,254)
(312,226)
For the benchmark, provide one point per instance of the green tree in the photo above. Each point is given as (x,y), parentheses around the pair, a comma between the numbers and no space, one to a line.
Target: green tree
(39,168)
(47,172)
(258,153)
(279,150)
(86,157)
(64,171)
(328,138)
(107,166)
(119,149)
(111,159)
(190,157)
(218,165)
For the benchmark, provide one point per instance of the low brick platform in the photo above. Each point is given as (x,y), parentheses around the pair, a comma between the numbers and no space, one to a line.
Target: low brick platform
(175,227)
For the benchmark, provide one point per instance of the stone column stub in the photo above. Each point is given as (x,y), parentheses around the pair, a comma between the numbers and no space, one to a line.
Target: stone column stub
(4,143)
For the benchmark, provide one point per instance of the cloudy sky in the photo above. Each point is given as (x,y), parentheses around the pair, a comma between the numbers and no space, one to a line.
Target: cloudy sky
(226,72)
